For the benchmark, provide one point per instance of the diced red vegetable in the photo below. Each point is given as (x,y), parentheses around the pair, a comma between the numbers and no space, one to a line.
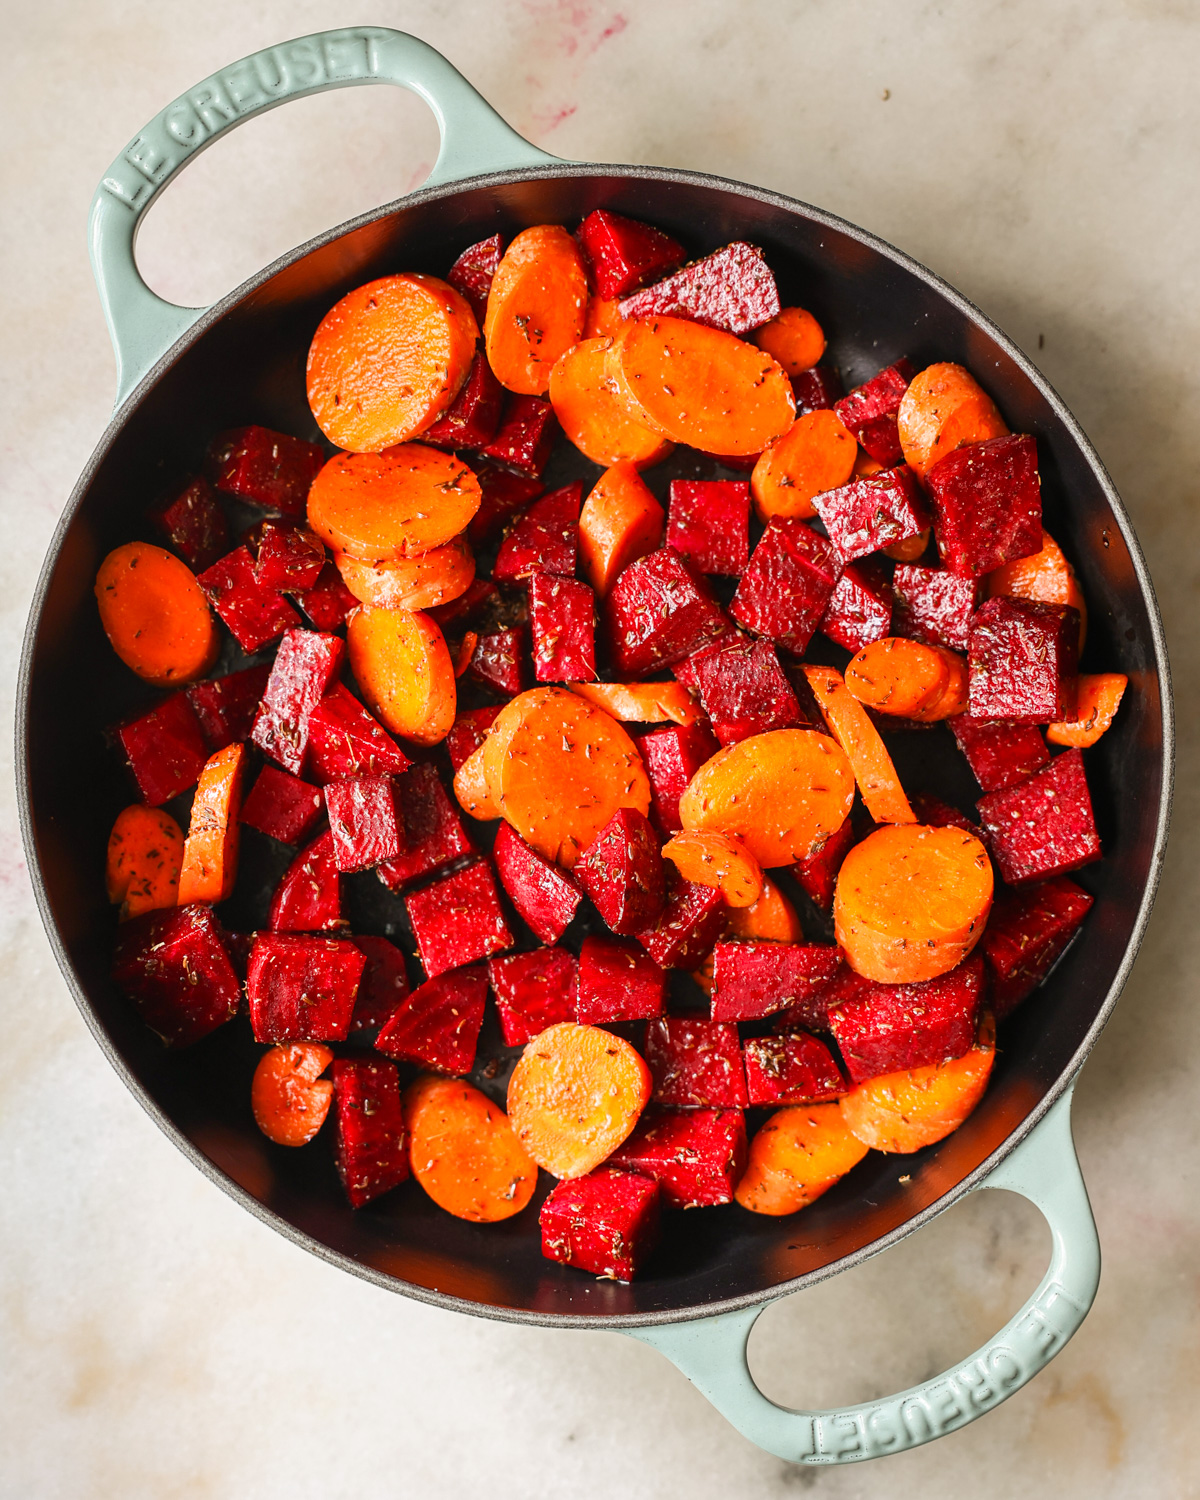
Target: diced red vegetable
(345,740)
(987,504)
(255,615)
(754,980)
(290,558)
(732,288)
(383,985)
(622,871)
(438,1025)
(546,538)
(471,274)
(933,606)
(708,523)
(329,603)
(266,468)
(935,813)
(1023,657)
(226,706)
(480,595)
(366,823)
(562,615)
(306,665)
(301,987)
(999,752)
(1044,826)
(500,661)
(792,1069)
(692,921)
(606,1222)
(504,495)
(860,608)
(787,585)
(624,254)
(743,689)
(659,612)
(533,991)
(894,1027)
(473,419)
(309,897)
(525,437)
(165,750)
(282,806)
(869,514)
(696,1155)
(811,1011)
(543,896)
(1027,933)
(192,522)
(695,1063)
(818,389)
(870,412)
(672,756)
(434,832)
(617,982)
(458,919)
(372,1144)
(173,965)
(818,873)
(468,732)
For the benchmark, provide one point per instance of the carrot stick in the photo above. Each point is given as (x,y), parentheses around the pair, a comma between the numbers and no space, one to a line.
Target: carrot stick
(718,860)
(464,652)
(793,337)
(772,918)
(209,867)
(421,582)
(400,661)
(911,902)
(1100,695)
(388,359)
(141,868)
(464,1152)
(897,676)
(620,522)
(817,453)
(378,507)
(592,418)
(858,737)
(642,702)
(535,309)
(471,787)
(797,1155)
(943,408)
(155,615)
(1046,576)
(288,1096)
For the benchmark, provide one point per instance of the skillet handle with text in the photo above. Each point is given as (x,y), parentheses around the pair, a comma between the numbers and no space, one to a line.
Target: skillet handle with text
(711,1352)
(474,139)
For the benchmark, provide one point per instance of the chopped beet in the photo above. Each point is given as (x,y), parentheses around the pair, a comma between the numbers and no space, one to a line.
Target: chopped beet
(894,1027)
(306,664)
(860,608)
(458,919)
(622,871)
(743,689)
(173,965)
(191,521)
(504,495)
(1027,933)
(500,661)
(708,523)
(480,597)
(365,820)
(695,1063)
(468,732)
(329,603)
(811,1012)
(672,756)
(345,740)
(546,538)
(383,985)
(617,982)
(987,504)
(1024,658)
(301,987)
(731,289)
(818,873)
(624,254)
(818,389)
(935,813)
(372,1144)
(787,586)
(226,706)
(999,752)
(471,274)
(874,512)
(290,558)
(562,615)
(754,980)
(165,749)
(309,897)
(693,920)
(525,436)
(265,468)
(437,1026)
(606,1223)
(533,991)
(473,418)
(794,1068)
(282,806)
(659,612)
(433,829)
(697,1156)
(933,606)
(870,412)
(254,615)
(544,897)
(1044,826)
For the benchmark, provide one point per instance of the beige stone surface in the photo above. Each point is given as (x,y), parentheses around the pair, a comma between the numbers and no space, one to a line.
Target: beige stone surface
(157,1341)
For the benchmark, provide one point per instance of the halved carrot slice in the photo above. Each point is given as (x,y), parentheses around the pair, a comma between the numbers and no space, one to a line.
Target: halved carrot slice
(378,507)
(1099,697)
(592,418)
(603,318)
(642,702)
(858,737)
(797,1155)
(816,453)
(536,308)
(897,676)
(400,661)
(955,697)
(209,868)
(289,1097)
(421,582)
(620,522)
(793,337)
(1047,576)
(145,852)
(719,860)
(464,1151)
(944,407)
(471,787)
(155,615)
(771,919)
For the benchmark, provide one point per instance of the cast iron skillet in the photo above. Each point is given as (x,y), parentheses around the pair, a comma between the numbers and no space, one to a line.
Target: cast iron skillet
(186,373)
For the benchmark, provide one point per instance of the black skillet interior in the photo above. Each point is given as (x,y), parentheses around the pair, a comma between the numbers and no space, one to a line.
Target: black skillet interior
(248,367)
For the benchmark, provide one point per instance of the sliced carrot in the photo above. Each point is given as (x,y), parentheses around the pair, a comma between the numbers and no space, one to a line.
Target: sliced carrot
(289,1097)
(1046,576)
(465,651)
(955,697)
(911,902)
(209,868)
(400,661)
(864,467)
(1100,695)
(797,1155)
(155,615)
(850,726)
(603,318)
(620,522)
(907,1111)
(912,547)
(782,793)
(718,860)
(574,1096)
(771,919)
(591,416)
(700,385)
(421,582)
(815,454)
(944,407)
(378,507)
(642,702)
(471,787)
(388,359)
(535,309)
(141,868)
(897,676)
(464,1152)
(793,337)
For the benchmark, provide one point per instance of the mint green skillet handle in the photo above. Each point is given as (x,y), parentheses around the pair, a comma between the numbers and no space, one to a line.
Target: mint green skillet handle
(712,1351)
(474,139)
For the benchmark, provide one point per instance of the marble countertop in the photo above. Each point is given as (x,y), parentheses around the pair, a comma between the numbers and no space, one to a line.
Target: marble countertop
(159,1342)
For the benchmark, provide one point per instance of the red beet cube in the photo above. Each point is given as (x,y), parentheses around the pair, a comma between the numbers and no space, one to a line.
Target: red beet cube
(434,835)
(458,919)
(1027,933)
(504,495)
(695,1063)
(282,806)
(191,521)
(999,752)
(437,1026)
(692,921)
(173,965)
(301,988)
(471,274)
(606,1223)
(708,523)
(562,615)
(754,980)
(309,897)
(935,813)
(254,615)
(791,1069)
(933,606)
(366,823)
(1023,657)
(525,437)
(811,1012)
(500,661)
(617,982)
(622,871)
(870,412)
(869,514)
(266,468)
(818,873)
(533,991)
(731,289)
(372,1144)
(544,897)
(165,750)
(345,740)
(860,608)
(226,706)
(743,689)
(672,757)
(625,254)
(1044,826)
(306,664)
(817,389)
(468,732)
(473,418)
(545,539)
(659,612)
(383,985)
(329,603)
(788,584)
(987,504)
(290,558)
(696,1156)
(893,1027)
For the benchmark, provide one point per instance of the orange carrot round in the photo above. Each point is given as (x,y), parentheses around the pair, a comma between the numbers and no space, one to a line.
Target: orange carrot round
(141,868)
(1099,697)
(872,765)
(793,337)
(897,676)
(592,418)
(210,854)
(642,702)
(464,1152)
(535,309)
(574,1096)
(471,787)
(771,919)
(388,359)
(815,454)
(797,1155)
(719,860)
(378,507)
(400,661)
(421,582)
(603,318)
(1046,576)
(955,697)
(289,1097)
(944,407)
(911,902)
(155,615)
(620,522)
